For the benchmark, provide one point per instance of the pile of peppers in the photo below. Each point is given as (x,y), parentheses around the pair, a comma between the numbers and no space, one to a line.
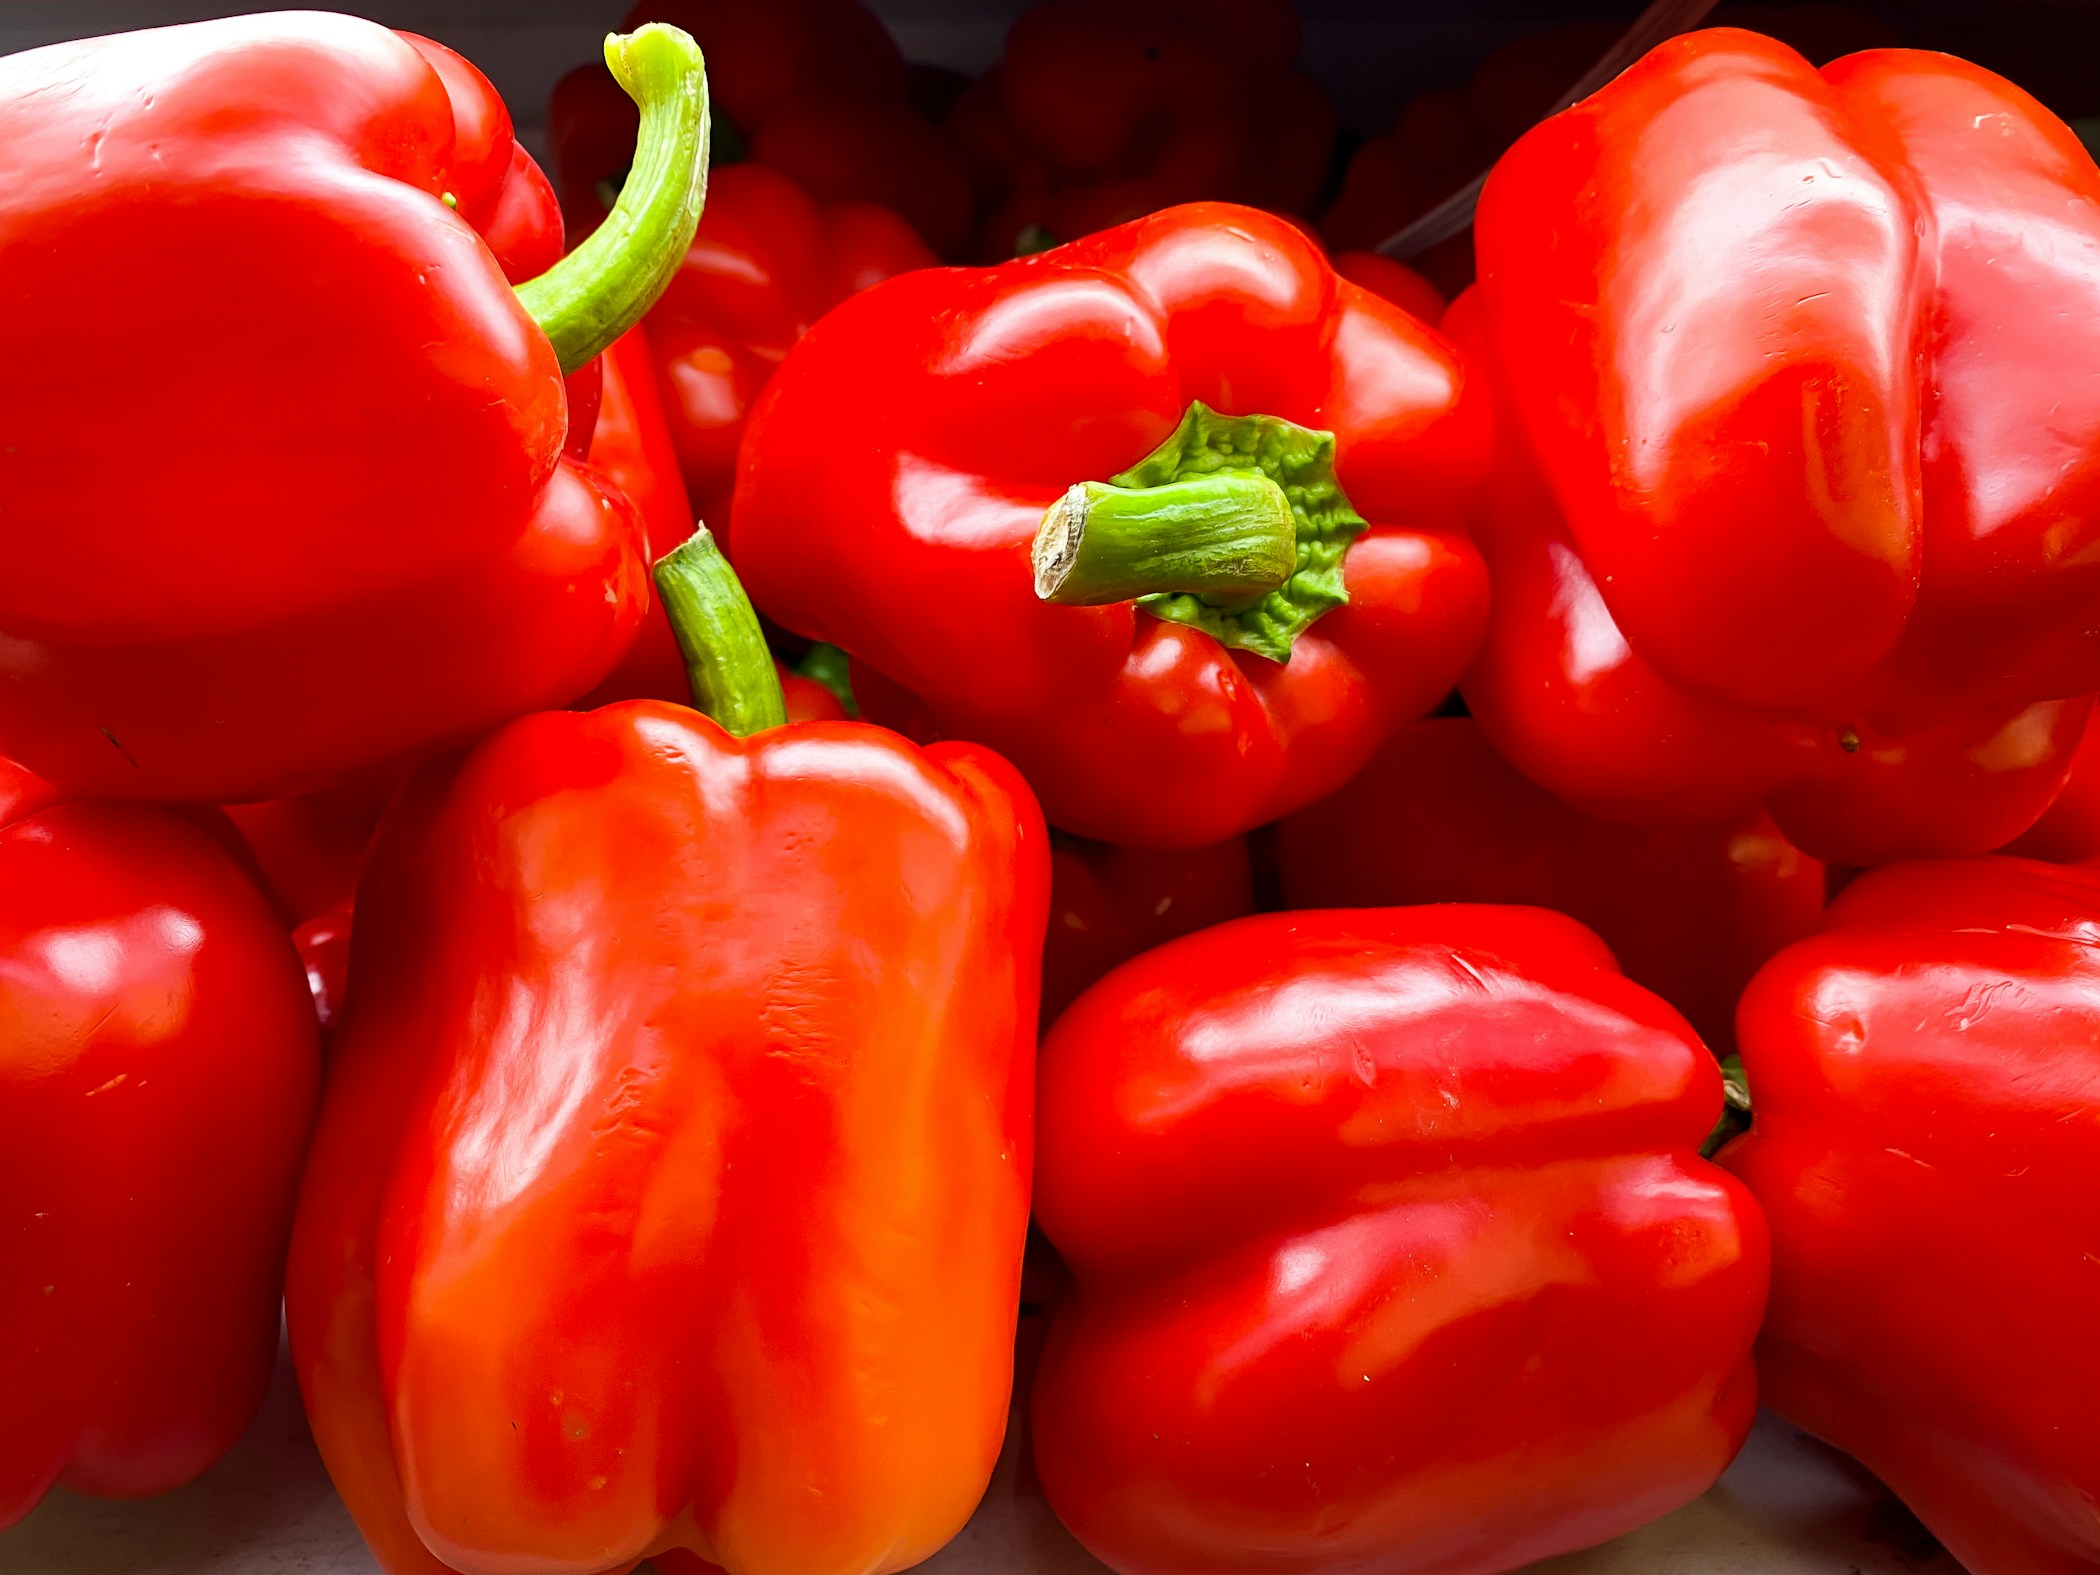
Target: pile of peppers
(693,829)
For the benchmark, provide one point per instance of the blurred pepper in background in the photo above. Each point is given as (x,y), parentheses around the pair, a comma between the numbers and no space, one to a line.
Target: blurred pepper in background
(1438,816)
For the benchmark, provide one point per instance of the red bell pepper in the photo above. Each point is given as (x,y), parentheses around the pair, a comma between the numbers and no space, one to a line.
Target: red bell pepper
(1798,482)
(1922,1075)
(1225,651)
(768,261)
(673,1177)
(318,451)
(158,1073)
(1438,816)
(2069,833)
(1395,282)
(1392,1248)
(1102,111)
(631,445)
(1107,904)
(323,944)
(815,89)
(309,849)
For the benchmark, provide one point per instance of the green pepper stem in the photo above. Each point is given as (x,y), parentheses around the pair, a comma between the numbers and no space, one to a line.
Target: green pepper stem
(1226,534)
(726,659)
(601,289)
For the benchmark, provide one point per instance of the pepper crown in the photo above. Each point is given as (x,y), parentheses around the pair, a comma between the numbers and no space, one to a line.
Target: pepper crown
(1235,525)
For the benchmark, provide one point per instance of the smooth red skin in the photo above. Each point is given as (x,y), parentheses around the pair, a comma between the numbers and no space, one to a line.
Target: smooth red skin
(768,261)
(1392,1248)
(1184,101)
(687,1080)
(158,1075)
(1808,452)
(898,527)
(310,849)
(631,446)
(363,471)
(323,944)
(2069,833)
(1438,816)
(1395,282)
(1107,904)
(1924,1074)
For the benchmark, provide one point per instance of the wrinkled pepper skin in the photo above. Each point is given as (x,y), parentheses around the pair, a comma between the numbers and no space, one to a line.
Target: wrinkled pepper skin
(816,89)
(1798,462)
(1438,816)
(896,523)
(1107,904)
(1923,1076)
(673,1176)
(1393,1250)
(769,260)
(1102,111)
(356,511)
(158,1075)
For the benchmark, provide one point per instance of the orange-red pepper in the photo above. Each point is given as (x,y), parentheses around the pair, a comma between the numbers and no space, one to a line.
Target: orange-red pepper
(673,1176)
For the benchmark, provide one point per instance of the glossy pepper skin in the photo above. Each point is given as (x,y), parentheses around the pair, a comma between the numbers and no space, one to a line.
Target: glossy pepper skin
(1102,111)
(327,392)
(158,1074)
(1107,904)
(897,524)
(1392,1248)
(631,446)
(815,89)
(1438,816)
(1799,470)
(673,1177)
(2070,832)
(1922,1075)
(768,260)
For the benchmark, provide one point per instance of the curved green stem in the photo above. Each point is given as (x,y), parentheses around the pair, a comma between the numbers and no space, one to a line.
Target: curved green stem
(1226,534)
(726,659)
(601,289)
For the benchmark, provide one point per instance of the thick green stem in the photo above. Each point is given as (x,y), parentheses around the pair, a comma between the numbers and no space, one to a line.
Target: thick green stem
(726,659)
(1235,525)
(601,289)
(1222,535)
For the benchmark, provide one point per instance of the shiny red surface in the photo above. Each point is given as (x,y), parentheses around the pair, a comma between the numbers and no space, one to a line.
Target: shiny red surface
(1392,1250)
(1797,448)
(1396,282)
(631,445)
(1925,1074)
(674,1168)
(895,521)
(769,260)
(1438,816)
(2070,832)
(158,1073)
(1107,904)
(323,944)
(1102,111)
(312,449)
(309,849)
